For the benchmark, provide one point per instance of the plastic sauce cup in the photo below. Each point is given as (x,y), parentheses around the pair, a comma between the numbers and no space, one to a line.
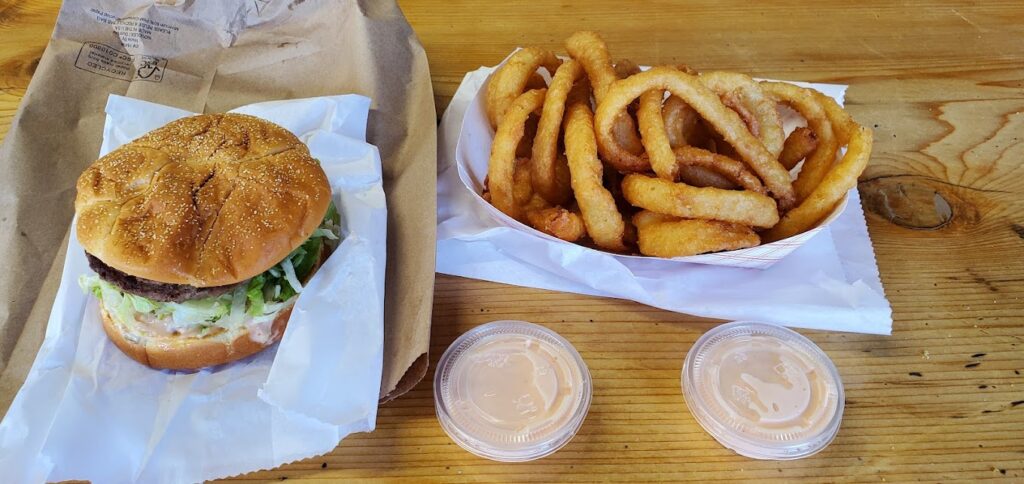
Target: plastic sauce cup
(511,391)
(763,391)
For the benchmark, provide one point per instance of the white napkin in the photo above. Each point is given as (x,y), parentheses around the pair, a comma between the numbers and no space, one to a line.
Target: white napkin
(86,411)
(830,282)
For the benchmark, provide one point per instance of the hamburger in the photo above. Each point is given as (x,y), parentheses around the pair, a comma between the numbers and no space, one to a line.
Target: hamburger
(201,235)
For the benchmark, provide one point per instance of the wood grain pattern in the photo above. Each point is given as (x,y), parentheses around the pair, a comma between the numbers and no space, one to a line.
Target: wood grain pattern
(25,27)
(942,84)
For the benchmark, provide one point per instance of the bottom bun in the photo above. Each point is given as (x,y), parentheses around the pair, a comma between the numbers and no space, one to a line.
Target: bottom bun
(189,353)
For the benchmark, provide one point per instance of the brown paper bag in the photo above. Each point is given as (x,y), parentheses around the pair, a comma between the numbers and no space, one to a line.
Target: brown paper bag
(212,56)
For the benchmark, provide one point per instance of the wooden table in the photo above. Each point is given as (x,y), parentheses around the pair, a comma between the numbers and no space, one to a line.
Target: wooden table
(942,84)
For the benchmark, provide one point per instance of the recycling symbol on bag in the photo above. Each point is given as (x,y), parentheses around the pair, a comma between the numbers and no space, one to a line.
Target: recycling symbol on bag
(148,67)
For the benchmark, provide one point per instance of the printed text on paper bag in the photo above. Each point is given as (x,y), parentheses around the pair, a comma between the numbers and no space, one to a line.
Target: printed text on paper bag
(110,62)
(134,31)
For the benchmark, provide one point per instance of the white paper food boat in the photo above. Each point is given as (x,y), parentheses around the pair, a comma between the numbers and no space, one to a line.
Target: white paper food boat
(472,156)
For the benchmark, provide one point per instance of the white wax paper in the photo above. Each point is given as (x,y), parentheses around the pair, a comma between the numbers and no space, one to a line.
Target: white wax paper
(827,279)
(86,411)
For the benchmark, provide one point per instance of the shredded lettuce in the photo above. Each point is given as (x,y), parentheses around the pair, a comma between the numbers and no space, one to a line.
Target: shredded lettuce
(289,275)
(254,294)
(178,316)
(235,316)
(199,311)
(261,299)
(325,233)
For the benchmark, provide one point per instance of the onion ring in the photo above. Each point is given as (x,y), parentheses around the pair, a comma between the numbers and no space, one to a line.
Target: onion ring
(613,183)
(843,126)
(698,176)
(807,103)
(645,218)
(743,94)
(626,131)
(590,50)
(682,123)
(510,80)
(732,100)
(555,221)
(664,236)
(839,180)
(550,181)
(681,200)
(509,179)
(522,189)
(734,172)
(601,216)
(654,133)
(625,68)
(685,128)
(654,136)
(536,81)
(666,162)
(800,144)
(501,168)
(525,146)
(628,137)
(721,118)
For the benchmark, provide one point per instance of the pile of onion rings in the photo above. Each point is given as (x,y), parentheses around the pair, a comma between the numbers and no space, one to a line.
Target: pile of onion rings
(666,162)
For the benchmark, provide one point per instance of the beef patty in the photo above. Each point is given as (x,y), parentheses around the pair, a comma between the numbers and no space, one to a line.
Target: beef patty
(157,291)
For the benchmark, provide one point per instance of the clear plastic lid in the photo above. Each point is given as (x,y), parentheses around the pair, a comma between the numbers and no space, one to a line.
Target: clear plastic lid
(511,391)
(763,391)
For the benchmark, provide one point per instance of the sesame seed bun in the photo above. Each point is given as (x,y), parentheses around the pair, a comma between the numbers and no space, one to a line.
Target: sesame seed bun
(208,200)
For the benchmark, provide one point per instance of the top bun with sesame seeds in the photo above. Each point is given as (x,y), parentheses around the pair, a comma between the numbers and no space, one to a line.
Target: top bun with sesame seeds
(206,201)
